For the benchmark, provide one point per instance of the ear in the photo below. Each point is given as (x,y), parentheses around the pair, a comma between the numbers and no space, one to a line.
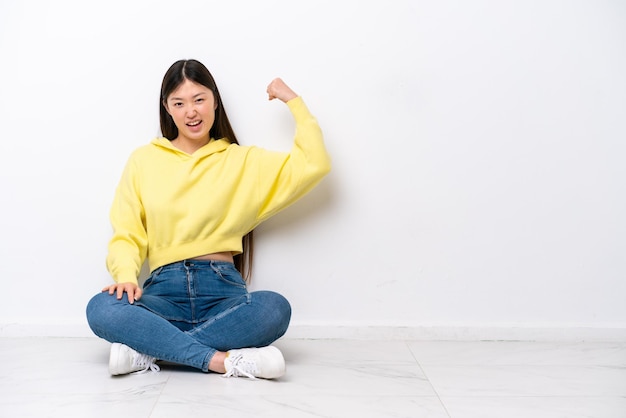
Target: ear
(164,103)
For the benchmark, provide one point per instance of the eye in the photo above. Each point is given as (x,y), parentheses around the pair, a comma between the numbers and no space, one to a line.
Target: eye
(199,100)
(177,104)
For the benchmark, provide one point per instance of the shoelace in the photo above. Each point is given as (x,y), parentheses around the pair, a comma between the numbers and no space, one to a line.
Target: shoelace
(145,362)
(241,367)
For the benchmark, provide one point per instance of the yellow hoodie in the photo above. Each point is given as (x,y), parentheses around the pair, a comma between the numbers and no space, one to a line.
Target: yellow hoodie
(170,206)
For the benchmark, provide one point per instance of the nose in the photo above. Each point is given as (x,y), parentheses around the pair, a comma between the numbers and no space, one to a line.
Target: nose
(190,112)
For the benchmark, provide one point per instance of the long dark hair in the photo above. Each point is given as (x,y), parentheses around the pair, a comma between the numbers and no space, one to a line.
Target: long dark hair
(196,72)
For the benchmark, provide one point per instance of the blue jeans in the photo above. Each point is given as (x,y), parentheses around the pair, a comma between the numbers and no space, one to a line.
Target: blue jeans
(189,310)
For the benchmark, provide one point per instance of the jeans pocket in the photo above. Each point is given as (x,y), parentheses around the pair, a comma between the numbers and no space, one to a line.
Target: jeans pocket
(152,277)
(229,274)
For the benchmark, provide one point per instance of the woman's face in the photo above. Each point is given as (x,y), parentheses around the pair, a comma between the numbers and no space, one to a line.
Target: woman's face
(192,106)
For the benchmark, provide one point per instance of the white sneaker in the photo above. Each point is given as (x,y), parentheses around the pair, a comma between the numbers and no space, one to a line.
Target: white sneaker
(124,360)
(265,362)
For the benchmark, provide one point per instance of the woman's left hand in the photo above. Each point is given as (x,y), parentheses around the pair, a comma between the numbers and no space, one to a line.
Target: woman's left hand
(279,90)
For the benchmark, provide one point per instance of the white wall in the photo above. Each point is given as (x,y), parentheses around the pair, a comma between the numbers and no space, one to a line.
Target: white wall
(478,149)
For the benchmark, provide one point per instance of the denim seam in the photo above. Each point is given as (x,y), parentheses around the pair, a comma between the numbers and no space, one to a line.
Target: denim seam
(220,316)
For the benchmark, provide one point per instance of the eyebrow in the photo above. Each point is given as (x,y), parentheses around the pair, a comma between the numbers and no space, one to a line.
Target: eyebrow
(193,97)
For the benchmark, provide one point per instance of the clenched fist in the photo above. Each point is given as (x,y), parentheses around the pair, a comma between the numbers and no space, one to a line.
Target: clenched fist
(279,90)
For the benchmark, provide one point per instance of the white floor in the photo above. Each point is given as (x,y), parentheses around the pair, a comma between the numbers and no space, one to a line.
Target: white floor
(67,377)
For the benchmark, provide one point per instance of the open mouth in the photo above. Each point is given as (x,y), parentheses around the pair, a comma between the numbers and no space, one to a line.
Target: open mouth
(194,123)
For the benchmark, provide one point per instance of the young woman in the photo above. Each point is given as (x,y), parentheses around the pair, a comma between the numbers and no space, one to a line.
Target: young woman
(188,202)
